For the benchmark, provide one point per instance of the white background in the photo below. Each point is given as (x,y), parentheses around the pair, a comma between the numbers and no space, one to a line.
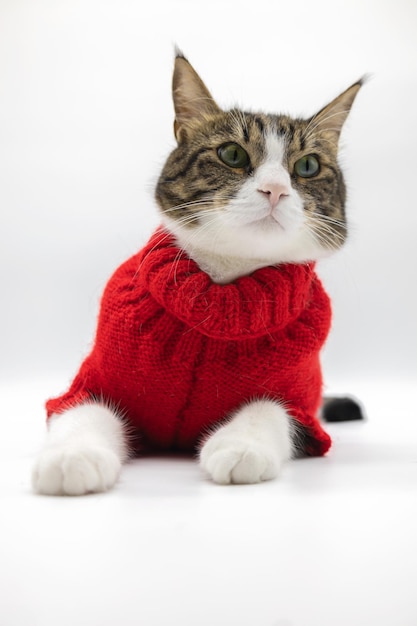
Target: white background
(85,124)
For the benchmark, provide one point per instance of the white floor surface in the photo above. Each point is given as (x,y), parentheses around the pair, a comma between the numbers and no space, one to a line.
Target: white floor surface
(331,543)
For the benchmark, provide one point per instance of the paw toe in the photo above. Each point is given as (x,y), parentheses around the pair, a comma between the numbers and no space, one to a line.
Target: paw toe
(250,468)
(229,462)
(47,476)
(75,472)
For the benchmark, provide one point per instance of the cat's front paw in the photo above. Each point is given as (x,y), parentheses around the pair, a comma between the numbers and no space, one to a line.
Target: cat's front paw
(228,460)
(74,471)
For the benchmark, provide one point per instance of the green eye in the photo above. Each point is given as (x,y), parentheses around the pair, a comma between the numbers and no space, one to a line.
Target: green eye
(307,167)
(233,155)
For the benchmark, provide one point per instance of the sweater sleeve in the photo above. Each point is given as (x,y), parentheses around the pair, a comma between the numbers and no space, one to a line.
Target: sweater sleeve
(250,307)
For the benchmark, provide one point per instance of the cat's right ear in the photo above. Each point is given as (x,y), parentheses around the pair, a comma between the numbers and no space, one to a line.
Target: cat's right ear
(192,100)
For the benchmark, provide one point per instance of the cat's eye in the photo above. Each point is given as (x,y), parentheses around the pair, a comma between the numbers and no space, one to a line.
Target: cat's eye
(307,167)
(233,155)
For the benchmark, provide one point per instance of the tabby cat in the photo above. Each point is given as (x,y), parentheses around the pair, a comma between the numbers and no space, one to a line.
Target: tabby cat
(208,339)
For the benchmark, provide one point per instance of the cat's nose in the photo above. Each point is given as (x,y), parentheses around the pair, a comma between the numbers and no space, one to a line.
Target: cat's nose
(274,193)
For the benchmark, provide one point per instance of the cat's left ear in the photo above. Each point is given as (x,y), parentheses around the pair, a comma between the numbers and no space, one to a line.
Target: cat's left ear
(192,100)
(331,118)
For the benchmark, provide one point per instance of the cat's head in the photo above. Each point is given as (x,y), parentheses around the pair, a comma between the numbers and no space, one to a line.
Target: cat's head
(249,185)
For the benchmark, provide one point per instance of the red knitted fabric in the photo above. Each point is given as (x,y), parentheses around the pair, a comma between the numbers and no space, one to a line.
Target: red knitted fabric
(178,352)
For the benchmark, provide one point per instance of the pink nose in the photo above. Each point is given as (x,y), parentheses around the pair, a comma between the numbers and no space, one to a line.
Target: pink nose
(274,192)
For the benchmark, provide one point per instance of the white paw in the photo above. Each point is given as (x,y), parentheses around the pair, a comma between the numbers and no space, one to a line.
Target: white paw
(228,460)
(252,446)
(75,471)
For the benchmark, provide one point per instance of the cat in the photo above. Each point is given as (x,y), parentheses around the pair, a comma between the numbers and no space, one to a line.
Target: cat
(208,339)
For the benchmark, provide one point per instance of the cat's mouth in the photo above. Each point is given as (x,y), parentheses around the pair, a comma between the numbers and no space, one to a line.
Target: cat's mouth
(268,221)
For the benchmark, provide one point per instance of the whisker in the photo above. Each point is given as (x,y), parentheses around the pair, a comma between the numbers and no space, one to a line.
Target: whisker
(323,231)
(332,220)
(309,131)
(239,120)
(205,201)
(193,235)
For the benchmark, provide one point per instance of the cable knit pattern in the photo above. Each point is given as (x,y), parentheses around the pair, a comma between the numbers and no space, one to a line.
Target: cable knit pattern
(178,352)
(245,309)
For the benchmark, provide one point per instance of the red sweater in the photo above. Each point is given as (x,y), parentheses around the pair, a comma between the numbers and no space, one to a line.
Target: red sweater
(177,353)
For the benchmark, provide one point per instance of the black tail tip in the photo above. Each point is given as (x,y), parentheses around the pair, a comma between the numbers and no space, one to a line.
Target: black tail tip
(341,410)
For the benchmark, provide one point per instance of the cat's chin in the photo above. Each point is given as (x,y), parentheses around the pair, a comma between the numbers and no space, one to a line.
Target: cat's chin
(267,223)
